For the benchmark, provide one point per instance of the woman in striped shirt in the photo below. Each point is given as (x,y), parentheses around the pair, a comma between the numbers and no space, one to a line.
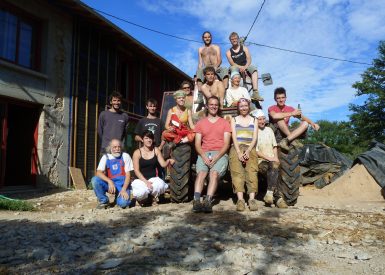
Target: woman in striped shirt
(243,156)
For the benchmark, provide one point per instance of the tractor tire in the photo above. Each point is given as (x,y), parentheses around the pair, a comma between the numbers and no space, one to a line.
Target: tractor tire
(289,176)
(180,173)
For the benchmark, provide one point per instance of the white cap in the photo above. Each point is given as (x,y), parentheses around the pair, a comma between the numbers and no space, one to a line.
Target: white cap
(258,113)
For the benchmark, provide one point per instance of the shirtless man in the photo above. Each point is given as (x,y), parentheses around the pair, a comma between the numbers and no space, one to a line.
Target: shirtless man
(240,60)
(213,87)
(210,55)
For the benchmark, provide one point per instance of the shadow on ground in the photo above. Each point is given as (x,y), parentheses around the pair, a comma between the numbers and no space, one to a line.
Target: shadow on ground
(153,241)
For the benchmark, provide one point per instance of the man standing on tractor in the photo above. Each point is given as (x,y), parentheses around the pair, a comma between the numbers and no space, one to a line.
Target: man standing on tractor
(280,115)
(150,123)
(213,87)
(212,141)
(210,55)
(112,123)
(240,60)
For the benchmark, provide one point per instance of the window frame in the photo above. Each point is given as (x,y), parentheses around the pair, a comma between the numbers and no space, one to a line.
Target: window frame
(36,24)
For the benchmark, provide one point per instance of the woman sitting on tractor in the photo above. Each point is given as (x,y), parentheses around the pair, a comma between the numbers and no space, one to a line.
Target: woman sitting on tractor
(179,124)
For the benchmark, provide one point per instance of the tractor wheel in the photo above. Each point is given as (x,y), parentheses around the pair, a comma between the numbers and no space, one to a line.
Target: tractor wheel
(180,173)
(289,175)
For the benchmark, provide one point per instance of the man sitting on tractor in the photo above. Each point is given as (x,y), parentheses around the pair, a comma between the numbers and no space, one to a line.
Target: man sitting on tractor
(210,55)
(240,59)
(212,141)
(280,115)
(213,87)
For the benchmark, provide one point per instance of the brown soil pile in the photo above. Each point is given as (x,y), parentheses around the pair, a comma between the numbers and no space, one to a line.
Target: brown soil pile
(356,184)
(356,188)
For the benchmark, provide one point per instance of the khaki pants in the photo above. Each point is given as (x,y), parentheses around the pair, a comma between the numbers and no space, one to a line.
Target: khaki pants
(244,173)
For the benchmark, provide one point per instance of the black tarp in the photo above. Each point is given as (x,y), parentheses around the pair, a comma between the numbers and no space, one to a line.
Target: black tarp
(374,161)
(322,165)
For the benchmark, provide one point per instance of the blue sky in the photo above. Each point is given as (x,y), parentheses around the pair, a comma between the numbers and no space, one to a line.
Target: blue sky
(337,28)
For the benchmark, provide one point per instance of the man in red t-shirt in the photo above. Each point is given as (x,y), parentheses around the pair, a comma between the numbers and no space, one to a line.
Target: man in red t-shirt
(280,115)
(212,140)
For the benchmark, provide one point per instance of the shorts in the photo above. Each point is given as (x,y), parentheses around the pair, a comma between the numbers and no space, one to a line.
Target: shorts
(251,69)
(220,72)
(220,166)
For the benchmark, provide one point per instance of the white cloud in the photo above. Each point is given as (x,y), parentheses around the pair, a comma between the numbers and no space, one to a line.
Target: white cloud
(336,28)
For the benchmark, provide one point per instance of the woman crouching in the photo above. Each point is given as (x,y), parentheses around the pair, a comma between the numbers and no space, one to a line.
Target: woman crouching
(146,160)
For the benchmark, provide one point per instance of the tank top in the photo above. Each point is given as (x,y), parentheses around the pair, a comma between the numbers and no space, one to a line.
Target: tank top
(239,58)
(183,118)
(244,134)
(148,166)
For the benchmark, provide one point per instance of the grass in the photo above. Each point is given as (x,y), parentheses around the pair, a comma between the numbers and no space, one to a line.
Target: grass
(15,205)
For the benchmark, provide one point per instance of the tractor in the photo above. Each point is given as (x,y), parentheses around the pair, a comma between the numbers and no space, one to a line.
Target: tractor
(182,172)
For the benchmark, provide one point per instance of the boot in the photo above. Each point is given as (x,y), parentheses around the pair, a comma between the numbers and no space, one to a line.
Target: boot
(256,96)
(241,205)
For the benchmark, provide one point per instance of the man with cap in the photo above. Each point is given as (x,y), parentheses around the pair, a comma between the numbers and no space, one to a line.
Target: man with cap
(268,162)
(235,92)
(240,59)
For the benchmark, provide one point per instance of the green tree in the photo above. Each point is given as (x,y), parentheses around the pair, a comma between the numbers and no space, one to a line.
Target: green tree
(338,135)
(368,120)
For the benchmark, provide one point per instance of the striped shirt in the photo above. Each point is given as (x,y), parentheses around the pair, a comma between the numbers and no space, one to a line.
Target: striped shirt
(244,134)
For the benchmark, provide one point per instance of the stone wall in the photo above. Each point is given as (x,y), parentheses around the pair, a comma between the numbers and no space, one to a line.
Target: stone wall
(49,87)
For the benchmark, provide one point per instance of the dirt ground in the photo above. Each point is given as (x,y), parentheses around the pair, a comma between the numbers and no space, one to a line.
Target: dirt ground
(329,231)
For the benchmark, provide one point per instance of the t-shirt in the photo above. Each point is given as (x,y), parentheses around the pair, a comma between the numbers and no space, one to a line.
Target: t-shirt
(212,133)
(155,125)
(266,142)
(111,126)
(233,95)
(128,165)
(276,109)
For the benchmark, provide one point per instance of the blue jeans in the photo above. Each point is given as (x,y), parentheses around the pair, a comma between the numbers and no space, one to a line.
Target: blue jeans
(101,187)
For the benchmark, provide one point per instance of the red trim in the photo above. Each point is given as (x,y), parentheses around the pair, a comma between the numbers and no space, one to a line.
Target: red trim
(34,156)
(4,145)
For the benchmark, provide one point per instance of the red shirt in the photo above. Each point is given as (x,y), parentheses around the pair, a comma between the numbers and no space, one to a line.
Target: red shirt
(212,133)
(276,109)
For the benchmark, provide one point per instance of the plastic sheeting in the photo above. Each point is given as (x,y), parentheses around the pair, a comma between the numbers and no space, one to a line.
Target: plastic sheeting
(322,165)
(374,162)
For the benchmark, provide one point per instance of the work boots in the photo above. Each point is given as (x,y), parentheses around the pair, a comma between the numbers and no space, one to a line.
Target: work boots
(240,206)
(256,96)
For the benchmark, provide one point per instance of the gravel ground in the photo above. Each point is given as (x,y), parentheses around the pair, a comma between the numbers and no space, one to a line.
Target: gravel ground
(66,235)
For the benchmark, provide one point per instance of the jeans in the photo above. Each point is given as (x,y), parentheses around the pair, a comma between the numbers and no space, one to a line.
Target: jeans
(101,187)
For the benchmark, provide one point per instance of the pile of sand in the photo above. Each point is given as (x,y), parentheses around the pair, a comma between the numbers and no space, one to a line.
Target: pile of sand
(355,187)
(356,184)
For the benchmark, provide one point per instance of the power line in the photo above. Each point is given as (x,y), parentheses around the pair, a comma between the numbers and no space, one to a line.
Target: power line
(149,29)
(257,44)
(309,54)
(255,19)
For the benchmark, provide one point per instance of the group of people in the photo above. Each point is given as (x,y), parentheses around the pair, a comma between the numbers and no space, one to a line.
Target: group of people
(253,144)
